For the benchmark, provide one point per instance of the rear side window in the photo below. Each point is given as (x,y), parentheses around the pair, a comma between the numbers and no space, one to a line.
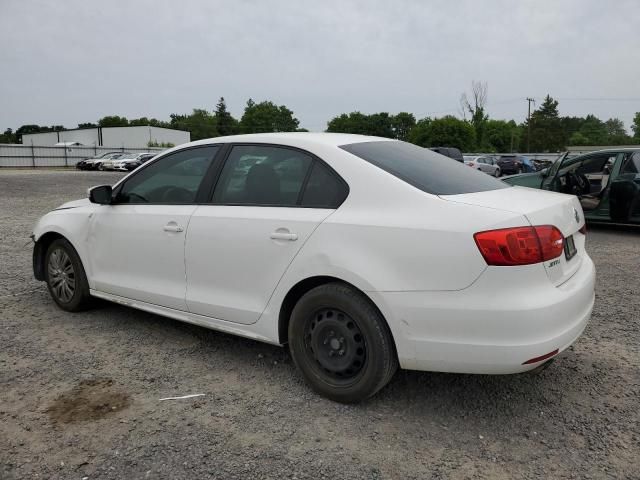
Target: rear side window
(422,168)
(324,189)
(262,175)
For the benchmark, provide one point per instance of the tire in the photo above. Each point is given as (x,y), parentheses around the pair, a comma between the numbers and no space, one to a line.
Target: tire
(519,170)
(497,173)
(341,344)
(100,167)
(65,277)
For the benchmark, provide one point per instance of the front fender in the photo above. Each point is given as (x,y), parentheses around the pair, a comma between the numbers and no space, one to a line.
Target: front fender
(73,224)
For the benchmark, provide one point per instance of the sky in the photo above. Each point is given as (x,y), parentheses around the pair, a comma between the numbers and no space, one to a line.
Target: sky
(73,61)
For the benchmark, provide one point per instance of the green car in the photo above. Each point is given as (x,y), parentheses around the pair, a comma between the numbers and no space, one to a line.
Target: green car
(607,182)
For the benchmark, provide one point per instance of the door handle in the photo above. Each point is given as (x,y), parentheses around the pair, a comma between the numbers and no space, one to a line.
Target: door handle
(292,237)
(172,227)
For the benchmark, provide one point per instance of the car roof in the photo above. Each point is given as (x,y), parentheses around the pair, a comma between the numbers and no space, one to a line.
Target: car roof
(294,139)
(611,150)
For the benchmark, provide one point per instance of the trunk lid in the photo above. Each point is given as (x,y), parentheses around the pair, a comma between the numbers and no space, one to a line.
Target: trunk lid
(539,208)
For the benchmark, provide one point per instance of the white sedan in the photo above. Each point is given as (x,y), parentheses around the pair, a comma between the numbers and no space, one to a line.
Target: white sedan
(486,164)
(361,253)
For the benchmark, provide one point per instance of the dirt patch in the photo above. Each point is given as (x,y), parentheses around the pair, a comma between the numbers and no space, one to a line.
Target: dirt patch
(89,400)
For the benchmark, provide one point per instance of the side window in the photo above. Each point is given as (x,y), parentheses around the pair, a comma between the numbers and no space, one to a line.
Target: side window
(174,179)
(262,175)
(632,164)
(324,189)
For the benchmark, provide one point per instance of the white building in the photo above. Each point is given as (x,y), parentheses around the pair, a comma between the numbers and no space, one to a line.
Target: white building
(126,137)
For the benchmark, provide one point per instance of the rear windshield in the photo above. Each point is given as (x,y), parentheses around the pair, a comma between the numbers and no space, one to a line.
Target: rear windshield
(424,169)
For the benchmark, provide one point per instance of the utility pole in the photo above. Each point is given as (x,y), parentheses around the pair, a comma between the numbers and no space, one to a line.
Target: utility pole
(529,124)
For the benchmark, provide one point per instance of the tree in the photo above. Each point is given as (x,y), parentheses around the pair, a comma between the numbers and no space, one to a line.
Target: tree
(380,124)
(616,133)
(546,128)
(578,139)
(635,126)
(354,122)
(139,122)
(502,136)
(594,130)
(113,121)
(267,117)
(8,136)
(226,124)
(476,108)
(401,125)
(87,125)
(447,131)
(420,133)
(200,123)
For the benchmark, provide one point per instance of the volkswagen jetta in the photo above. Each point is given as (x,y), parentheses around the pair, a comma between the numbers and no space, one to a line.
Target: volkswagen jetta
(361,254)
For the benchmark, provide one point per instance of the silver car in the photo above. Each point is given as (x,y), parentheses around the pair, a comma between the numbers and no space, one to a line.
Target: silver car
(485,163)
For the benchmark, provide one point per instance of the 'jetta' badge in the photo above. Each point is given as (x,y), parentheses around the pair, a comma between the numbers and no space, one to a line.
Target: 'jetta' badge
(576,214)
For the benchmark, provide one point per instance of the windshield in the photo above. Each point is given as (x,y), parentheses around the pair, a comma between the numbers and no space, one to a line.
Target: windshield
(424,169)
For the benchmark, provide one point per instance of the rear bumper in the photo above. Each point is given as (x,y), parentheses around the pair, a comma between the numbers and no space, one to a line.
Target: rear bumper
(492,327)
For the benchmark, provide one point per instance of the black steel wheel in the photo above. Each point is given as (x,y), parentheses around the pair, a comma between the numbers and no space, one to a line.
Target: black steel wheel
(336,343)
(65,277)
(341,343)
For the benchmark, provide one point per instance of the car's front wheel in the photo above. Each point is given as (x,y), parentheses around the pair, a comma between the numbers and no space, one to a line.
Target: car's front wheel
(65,277)
(341,343)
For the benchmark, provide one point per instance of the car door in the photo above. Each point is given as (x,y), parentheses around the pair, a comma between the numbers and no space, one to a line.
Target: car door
(265,206)
(137,243)
(625,188)
(482,164)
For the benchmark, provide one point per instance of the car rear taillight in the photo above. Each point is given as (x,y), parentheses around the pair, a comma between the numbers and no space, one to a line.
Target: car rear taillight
(471,164)
(520,245)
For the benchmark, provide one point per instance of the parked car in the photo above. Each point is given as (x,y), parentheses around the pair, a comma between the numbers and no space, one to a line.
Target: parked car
(140,161)
(486,164)
(513,164)
(88,163)
(449,152)
(607,182)
(370,254)
(122,163)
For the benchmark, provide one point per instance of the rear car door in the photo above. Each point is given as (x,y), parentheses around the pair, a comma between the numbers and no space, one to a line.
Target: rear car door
(625,189)
(137,243)
(267,201)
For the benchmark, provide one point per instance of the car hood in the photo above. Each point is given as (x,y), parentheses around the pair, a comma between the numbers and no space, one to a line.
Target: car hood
(83,202)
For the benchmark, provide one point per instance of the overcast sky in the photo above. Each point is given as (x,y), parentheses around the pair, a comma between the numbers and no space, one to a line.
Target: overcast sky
(65,62)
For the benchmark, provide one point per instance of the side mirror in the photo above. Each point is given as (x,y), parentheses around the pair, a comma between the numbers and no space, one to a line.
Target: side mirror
(100,194)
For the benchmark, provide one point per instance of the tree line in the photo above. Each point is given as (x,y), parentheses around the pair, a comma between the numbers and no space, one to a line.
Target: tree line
(545,131)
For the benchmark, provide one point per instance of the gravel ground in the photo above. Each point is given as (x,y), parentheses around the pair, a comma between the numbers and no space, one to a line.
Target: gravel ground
(79,393)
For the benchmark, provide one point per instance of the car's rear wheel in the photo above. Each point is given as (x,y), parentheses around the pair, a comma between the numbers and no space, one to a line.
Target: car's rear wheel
(341,343)
(497,173)
(65,277)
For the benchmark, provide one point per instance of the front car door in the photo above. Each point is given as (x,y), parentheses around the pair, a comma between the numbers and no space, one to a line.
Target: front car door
(268,200)
(137,243)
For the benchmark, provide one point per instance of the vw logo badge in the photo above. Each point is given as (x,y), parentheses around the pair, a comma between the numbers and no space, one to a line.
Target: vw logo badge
(576,214)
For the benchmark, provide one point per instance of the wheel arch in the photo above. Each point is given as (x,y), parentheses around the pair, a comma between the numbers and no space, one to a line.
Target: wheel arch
(40,251)
(296,292)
